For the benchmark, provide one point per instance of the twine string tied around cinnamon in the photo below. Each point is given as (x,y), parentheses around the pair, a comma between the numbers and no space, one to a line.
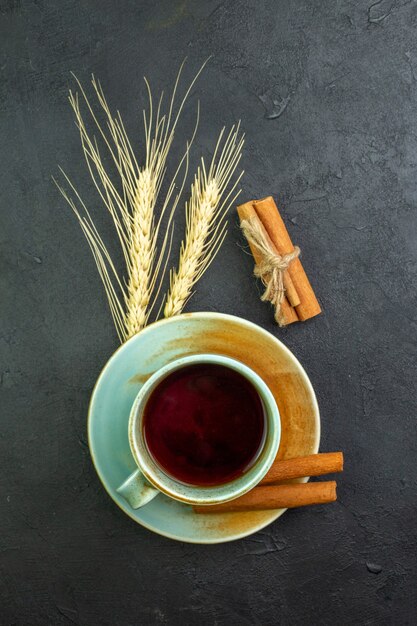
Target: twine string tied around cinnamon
(273,265)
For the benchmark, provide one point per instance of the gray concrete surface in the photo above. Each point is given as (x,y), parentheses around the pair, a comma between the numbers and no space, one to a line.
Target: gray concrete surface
(327,95)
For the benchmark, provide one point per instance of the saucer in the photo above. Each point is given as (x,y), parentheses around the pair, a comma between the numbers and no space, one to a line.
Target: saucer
(155,346)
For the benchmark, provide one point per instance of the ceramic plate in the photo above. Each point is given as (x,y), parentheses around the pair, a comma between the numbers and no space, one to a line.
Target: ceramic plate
(155,346)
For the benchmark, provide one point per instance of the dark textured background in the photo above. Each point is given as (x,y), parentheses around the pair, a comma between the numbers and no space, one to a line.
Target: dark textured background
(327,94)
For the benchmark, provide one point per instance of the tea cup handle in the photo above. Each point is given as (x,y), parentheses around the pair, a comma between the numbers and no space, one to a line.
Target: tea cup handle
(136,490)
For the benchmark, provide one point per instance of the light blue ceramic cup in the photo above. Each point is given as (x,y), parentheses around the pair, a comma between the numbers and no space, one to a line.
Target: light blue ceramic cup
(149,479)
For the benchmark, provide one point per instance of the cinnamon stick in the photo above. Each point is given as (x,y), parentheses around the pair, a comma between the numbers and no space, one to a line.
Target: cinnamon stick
(268,213)
(247,212)
(312,465)
(276,497)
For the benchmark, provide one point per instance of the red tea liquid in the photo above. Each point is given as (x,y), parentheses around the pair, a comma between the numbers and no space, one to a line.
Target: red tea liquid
(204,424)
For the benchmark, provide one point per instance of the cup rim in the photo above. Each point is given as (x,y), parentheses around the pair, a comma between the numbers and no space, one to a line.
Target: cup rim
(195,494)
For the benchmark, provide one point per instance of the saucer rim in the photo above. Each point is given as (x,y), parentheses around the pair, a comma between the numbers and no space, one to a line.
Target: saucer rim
(202,315)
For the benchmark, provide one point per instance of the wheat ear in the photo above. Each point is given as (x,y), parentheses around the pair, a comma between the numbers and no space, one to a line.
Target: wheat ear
(205,223)
(131,204)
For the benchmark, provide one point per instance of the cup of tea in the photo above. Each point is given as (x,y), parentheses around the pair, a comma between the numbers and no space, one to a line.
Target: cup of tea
(204,429)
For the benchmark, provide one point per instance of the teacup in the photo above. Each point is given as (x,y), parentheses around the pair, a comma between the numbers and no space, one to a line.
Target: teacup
(150,479)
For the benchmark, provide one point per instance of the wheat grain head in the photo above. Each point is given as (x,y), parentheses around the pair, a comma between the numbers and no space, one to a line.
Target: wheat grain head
(131,203)
(205,219)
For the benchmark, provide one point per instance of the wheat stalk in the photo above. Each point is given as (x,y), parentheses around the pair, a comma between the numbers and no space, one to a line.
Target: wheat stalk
(205,212)
(132,205)
(131,202)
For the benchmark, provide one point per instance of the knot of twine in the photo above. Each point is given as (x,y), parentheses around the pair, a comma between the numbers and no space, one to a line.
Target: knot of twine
(272,266)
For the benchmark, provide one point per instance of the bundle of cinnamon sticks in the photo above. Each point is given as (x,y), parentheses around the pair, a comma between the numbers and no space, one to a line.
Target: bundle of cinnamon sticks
(271,493)
(297,302)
